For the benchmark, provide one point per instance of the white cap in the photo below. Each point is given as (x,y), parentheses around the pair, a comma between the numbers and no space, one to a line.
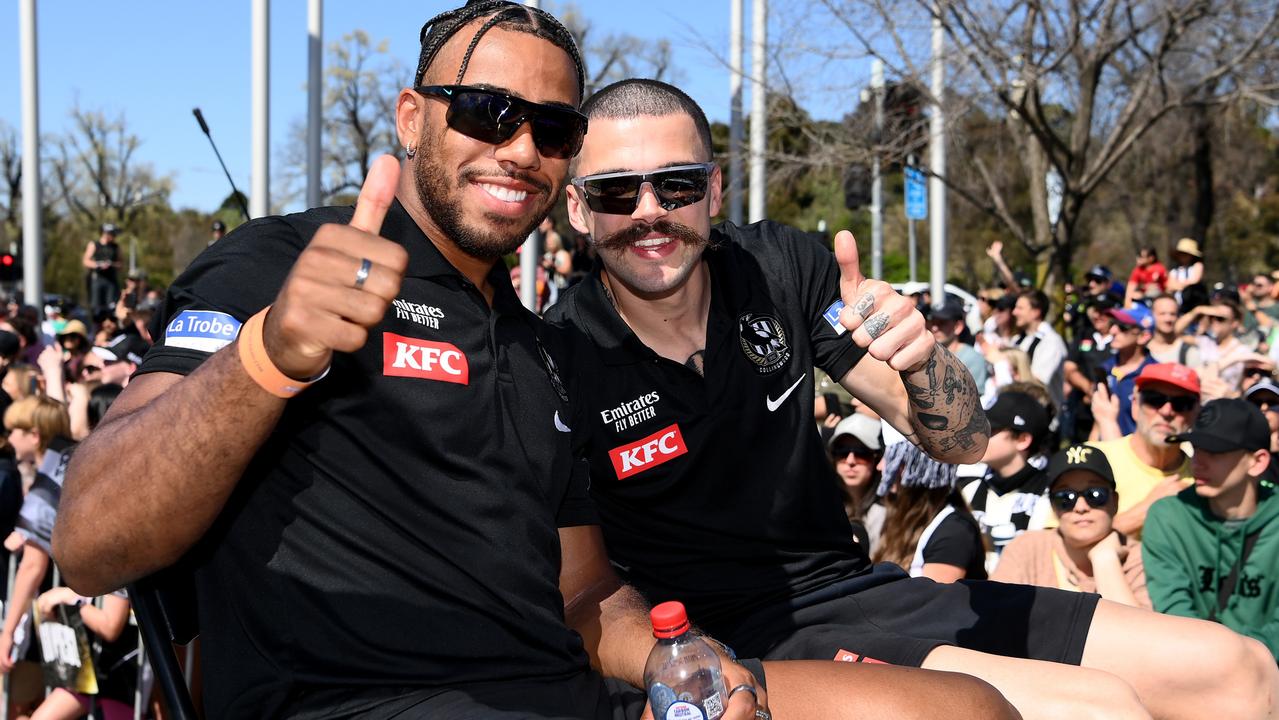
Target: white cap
(861,427)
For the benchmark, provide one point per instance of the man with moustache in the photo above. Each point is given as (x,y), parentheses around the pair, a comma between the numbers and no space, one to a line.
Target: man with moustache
(688,345)
(360,446)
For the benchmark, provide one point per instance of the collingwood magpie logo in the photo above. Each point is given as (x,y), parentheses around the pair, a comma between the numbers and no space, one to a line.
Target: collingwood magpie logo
(552,371)
(763,341)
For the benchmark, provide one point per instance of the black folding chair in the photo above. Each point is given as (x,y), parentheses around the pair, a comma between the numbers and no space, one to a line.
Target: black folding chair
(165,606)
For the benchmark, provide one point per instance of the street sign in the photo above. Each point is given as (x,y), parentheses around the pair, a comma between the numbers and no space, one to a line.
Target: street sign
(916,194)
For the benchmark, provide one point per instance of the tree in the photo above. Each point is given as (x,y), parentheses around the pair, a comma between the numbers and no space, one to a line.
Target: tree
(361,83)
(1074,85)
(615,56)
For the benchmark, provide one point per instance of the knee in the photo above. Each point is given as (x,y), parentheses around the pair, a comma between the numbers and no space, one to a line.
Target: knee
(980,699)
(1110,698)
(1250,679)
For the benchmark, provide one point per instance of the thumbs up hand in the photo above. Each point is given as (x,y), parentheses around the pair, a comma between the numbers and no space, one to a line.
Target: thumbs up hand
(880,319)
(341,284)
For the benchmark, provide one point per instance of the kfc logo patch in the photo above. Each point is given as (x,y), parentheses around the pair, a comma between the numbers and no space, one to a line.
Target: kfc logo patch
(663,445)
(414,358)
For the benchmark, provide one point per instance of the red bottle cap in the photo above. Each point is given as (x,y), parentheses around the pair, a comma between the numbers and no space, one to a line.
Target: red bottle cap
(669,619)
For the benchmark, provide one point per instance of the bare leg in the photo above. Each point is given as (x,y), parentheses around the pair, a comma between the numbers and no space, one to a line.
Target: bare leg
(825,689)
(60,705)
(1183,668)
(1045,690)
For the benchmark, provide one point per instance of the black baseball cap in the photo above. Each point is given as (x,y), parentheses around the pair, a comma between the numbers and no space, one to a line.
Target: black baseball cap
(1007,301)
(123,348)
(1099,271)
(219,225)
(1018,412)
(1227,424)
(950,310)
(1080,457)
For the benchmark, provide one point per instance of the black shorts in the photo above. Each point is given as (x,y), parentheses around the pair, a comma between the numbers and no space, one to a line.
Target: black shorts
(887,616)
(587,696)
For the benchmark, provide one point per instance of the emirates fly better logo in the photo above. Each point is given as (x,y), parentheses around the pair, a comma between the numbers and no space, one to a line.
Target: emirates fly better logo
(663,445)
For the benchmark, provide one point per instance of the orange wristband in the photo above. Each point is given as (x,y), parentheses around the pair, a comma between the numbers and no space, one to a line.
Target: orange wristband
(258,364)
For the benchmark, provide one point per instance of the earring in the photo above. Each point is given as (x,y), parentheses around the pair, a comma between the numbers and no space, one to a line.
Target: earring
(410,151)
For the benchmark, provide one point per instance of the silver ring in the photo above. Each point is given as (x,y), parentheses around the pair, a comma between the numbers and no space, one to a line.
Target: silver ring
(743,688)
(363,273)
(763,715)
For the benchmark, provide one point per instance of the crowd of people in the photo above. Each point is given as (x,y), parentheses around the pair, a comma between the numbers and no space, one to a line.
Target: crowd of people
(1130,447)
(398,493)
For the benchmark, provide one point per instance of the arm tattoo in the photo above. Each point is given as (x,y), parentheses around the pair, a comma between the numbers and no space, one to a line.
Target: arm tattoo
(945,407)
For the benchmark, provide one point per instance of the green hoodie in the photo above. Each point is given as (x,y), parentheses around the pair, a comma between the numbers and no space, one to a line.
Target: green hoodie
(1188,551)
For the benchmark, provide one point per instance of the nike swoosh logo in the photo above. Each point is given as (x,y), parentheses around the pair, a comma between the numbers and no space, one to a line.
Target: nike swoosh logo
(774,404)
(559,424)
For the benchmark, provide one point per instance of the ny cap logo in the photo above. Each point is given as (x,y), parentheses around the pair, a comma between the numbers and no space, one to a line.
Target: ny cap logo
(1079,454)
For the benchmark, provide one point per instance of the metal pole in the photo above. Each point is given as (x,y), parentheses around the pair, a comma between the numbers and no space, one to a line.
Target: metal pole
(260,182)
(876,180)
(32,232)
(735,59)
(937,165)
(759,110)
(911,239)
(314,94)
(532,250)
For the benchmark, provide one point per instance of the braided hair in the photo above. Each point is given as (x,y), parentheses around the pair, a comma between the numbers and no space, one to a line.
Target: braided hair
(510,15)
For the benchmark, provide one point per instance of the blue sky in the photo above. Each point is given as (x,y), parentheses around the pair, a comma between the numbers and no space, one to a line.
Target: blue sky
(154,60)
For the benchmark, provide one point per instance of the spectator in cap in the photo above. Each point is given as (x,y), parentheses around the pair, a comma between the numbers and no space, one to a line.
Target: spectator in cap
(118,359)
(1148,465)
(1084,553)
(1041,342)
(928,529)
(102,264)
(217,231)
(1189,270)
(1007,496)
(1148,279)
(1130,333)
(108,326)
(855,448)
(1212,551)
(1167,344)
(947,325)
(1099,280)
(1264,394)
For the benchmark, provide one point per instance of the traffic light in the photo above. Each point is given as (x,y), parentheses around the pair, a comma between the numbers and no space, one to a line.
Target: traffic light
(10,269)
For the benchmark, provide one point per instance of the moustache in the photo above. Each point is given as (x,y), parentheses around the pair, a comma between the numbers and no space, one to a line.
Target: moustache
(469,174)
(634,233)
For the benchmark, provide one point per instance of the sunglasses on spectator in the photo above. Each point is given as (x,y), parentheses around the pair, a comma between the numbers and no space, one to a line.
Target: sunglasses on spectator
(1256,372)
(1155,399)
(618,193)
(858,453)
(1064,499)
(493,117)
(1264,404)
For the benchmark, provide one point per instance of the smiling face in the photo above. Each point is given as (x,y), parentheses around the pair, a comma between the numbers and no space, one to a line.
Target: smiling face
(1084,525)
(487,198)
(652,251)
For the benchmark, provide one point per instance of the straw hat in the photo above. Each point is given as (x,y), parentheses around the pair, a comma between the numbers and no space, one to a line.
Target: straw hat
(1189,247)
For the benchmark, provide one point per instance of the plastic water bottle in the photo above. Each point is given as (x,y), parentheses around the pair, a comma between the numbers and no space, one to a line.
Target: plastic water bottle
(683,674)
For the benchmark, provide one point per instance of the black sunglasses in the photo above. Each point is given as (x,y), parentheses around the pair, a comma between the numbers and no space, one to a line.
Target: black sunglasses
(493,117)
(839,453)
(1180,403)
(618,193)
(1064,500)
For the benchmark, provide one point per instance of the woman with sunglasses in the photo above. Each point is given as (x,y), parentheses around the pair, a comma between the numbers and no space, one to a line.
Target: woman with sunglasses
(855,449)
(1084,552)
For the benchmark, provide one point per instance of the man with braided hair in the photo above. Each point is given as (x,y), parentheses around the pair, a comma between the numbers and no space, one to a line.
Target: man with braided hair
(359,445)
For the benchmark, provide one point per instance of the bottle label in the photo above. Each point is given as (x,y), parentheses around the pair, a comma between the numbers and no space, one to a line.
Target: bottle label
(686,711)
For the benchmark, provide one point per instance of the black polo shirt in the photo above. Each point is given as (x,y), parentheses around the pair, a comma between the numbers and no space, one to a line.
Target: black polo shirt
(399,527)
(717,491)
